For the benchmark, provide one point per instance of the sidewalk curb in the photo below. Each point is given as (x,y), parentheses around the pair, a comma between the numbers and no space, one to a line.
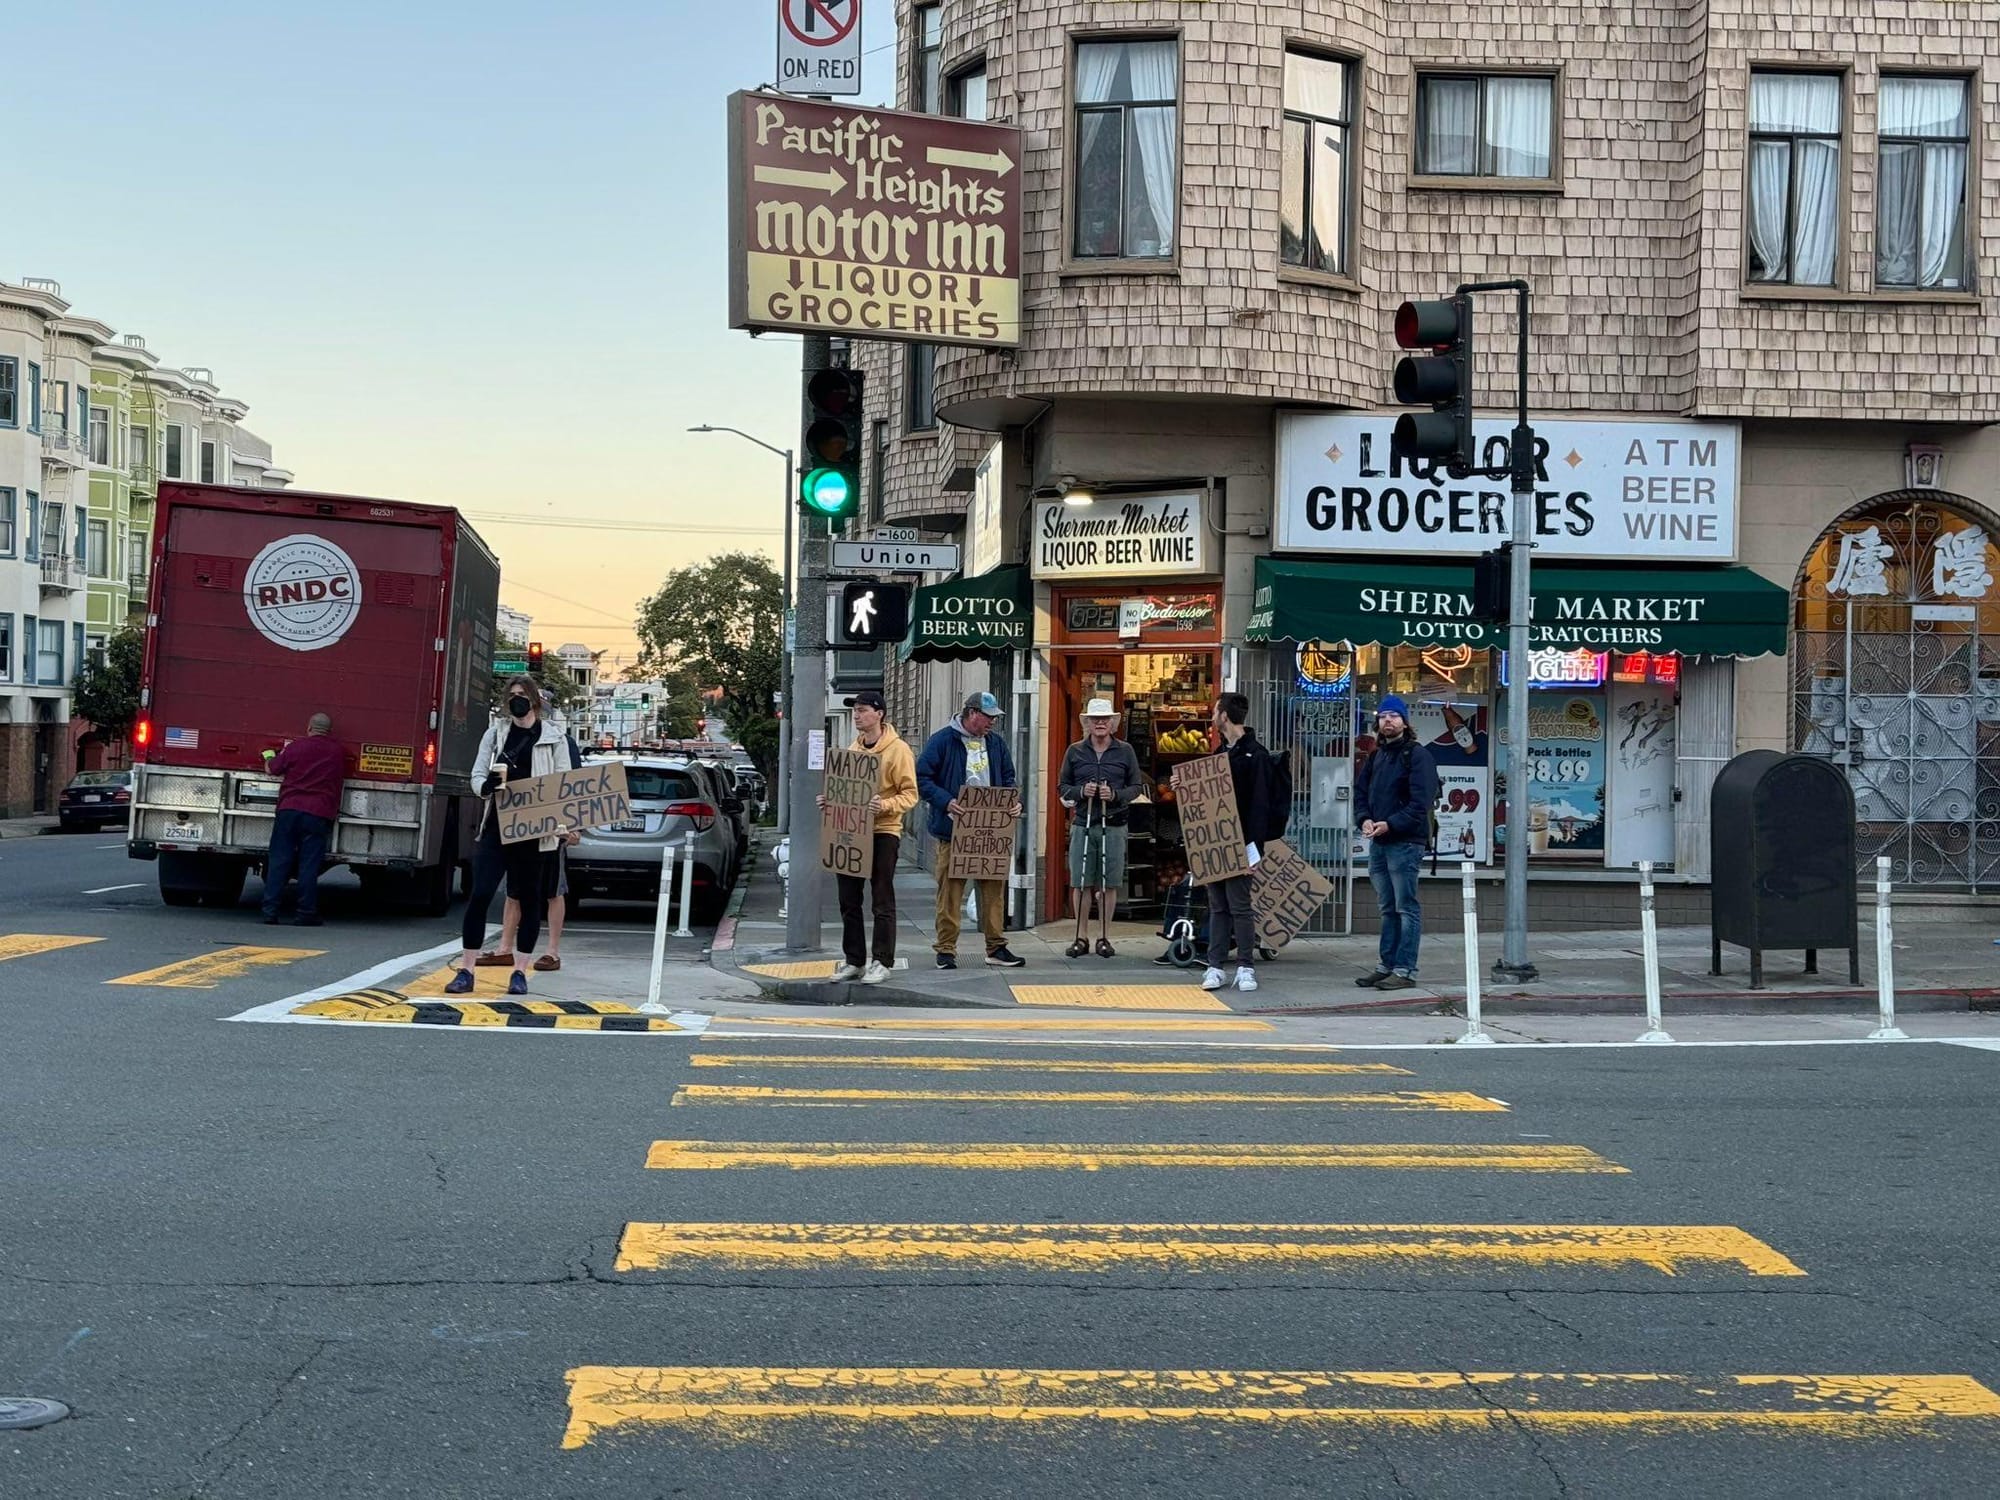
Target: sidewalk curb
(825,992)
(1725,1003)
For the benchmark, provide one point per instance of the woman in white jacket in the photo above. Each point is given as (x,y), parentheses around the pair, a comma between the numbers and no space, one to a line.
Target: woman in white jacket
(522,745)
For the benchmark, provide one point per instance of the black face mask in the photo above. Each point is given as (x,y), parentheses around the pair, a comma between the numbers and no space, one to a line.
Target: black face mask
(518,706)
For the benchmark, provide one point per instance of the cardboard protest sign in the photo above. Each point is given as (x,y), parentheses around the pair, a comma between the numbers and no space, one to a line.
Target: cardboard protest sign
(1210,827)
(847,827)
(982,837)
(1285,892)
(561,802)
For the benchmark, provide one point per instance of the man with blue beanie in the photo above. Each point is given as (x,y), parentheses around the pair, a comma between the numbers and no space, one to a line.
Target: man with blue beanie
(1393,798)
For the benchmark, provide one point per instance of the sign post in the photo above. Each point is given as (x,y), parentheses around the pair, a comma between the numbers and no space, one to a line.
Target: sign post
(819,46)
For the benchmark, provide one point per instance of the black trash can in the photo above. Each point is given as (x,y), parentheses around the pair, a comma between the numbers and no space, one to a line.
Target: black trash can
(1781,830)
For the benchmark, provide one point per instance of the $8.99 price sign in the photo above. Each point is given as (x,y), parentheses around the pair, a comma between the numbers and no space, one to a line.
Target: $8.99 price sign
(1559,770)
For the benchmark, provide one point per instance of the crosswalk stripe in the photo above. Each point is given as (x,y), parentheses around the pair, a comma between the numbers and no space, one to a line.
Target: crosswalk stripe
(206,970)
(1118,996)
(1667,1248)
(1045,1065)
(1450,1100)
(28,944)
(1006,1157)
(1004,1023)
(722,1398)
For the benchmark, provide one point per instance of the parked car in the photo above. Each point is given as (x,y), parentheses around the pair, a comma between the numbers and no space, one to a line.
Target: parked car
(95,799)
(735,806)
(670,797)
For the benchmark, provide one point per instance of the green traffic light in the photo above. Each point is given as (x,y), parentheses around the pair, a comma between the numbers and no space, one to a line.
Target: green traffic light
(827,491)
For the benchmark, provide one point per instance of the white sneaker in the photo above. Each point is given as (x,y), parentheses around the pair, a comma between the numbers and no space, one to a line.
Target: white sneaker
(1246,979)
(1213,980)
(845,973)
(874,973)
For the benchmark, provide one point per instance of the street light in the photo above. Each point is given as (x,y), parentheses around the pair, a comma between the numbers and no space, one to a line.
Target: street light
(785,667)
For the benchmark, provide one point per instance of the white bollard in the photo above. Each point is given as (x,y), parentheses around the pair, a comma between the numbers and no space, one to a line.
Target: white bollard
(687,887)
(1885,960)
(1475,1034)
(660,927)
(1649,932)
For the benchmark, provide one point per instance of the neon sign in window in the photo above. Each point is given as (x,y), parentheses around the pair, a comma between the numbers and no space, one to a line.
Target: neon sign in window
(1561,669)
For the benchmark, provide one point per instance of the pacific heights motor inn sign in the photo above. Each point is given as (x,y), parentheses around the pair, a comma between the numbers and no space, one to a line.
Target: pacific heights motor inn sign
(873,223)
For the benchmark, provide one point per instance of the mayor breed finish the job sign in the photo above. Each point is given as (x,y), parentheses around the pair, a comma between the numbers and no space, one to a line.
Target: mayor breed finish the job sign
(873,223)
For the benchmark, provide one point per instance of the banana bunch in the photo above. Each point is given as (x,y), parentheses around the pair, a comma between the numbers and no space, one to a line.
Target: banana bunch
(1188,741)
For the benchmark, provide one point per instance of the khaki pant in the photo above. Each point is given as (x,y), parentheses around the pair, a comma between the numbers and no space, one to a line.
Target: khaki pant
(992,897)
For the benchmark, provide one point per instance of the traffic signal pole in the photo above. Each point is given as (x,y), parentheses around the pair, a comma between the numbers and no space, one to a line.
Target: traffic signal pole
(805,711)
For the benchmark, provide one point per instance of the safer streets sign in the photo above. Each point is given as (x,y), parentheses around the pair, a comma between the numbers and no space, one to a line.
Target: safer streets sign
(873,223)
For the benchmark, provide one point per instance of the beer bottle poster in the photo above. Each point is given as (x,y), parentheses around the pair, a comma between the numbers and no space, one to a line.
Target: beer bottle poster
(847,827)
(1456,734)
(1210,827)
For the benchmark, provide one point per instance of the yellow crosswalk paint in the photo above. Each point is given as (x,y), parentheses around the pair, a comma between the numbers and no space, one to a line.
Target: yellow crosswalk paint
(206,970)
(28,944)
(812,968)
(1000,1023)
(709,1156)
(1118,996)
(728,1400)
(1045,1065)
(1455,1100)
(1666,1248)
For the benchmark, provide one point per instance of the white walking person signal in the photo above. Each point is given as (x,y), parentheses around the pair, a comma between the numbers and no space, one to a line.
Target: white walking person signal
(861,614)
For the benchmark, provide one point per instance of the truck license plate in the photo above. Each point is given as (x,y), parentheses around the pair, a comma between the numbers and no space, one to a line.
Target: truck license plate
(188,833)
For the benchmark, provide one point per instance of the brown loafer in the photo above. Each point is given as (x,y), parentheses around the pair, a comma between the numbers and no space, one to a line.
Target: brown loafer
(495,961)
(548,963)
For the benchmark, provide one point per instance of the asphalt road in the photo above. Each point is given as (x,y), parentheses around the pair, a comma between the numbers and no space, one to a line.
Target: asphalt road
(321,1261)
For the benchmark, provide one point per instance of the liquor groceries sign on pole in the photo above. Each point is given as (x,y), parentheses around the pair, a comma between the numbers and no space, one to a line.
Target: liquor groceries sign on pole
(819,46)
(873,223)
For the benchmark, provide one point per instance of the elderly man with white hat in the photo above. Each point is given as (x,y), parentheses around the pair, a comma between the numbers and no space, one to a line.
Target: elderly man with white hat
(1100,777)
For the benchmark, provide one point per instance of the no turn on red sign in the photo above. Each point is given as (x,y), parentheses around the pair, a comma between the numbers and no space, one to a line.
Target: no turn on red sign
(819,46)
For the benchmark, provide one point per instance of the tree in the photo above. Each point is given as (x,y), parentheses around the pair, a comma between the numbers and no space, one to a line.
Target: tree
(106,690)
(720,624)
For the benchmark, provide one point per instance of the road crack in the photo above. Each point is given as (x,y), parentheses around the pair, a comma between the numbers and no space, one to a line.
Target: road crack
(1534,1438)
(295,1375)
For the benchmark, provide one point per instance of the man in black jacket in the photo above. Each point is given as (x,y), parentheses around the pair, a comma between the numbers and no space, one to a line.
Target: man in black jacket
(1393,798)
(1229,910)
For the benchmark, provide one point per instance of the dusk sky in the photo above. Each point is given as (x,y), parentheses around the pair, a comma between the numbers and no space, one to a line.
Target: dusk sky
(461,251)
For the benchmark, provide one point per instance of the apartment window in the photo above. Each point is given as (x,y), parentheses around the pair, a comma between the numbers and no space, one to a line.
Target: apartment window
(141,448)
(49,653)
(6,521)
(97,551)
(10,391)
(920,413)
(34,398)
(1794,177)
(33,511)
(924,75)
(968,92)
(1313,193)
(1485,125)
(82,520)
(6,647)
(175,436)
(1127,134)
(94,647)
(1926,136)
(58,406)
(52,526)
(76,647)
(100,436)
(208,463)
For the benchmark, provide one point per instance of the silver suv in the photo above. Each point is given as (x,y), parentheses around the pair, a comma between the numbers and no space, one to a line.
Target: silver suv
(670,797)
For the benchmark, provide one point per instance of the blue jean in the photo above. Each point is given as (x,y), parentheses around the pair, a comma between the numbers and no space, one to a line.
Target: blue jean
(1392,870)
(298,840)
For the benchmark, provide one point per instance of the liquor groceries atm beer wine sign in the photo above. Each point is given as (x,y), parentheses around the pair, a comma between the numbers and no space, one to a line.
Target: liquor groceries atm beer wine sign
(873,223)
(1659,492)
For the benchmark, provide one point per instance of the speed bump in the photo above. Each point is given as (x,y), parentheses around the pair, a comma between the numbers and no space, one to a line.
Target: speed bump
(531,1015)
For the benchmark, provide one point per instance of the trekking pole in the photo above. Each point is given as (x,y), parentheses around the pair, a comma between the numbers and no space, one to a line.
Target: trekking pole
(1475,1034)
(1885,960)
(1103,874)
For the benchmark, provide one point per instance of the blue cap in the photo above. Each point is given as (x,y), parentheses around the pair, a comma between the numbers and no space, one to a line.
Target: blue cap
(983,703)
(1394,705)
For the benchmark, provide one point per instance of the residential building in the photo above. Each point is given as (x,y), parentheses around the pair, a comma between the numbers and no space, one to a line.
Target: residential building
(581,661)
(513,627)
(1762,243)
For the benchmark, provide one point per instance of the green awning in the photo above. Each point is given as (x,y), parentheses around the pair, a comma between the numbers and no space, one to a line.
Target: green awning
(967,618)
(1724,611)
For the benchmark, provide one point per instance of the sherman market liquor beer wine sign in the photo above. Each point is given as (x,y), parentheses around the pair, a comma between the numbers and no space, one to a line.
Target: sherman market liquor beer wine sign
(873,223)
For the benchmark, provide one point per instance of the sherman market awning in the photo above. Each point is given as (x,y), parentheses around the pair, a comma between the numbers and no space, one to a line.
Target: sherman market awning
(1724,611)
(967,618)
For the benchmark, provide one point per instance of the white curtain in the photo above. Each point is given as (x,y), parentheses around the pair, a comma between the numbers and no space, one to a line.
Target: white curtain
(1920,203)
(1898,173)
(1450,127)
(1770,177)
(1518,118)
(1802,104)
(1097,70)
(1816,215)
(1154,73)
(1097,65)
(1943,213)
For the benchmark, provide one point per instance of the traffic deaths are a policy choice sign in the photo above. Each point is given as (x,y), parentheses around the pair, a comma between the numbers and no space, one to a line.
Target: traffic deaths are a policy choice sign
(873,223)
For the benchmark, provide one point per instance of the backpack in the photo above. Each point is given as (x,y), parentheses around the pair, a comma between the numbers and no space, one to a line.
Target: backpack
(1277,792)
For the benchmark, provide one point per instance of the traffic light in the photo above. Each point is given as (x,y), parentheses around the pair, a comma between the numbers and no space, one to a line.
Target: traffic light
(831,483)
(1491,584)
(872,612)
(1440,379)
(535,658)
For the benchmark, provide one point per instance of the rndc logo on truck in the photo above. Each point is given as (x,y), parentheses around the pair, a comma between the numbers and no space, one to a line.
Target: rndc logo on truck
(302,592)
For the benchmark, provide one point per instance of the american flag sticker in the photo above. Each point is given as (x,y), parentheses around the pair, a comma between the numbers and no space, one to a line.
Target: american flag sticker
(183,739)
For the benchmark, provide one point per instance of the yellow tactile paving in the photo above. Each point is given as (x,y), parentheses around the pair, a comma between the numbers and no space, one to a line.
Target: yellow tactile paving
(920,1063)
(816,968)
(28,944)
(205,971)
(710,1156)
(1450,1100)
(726,1400)
(1118,996)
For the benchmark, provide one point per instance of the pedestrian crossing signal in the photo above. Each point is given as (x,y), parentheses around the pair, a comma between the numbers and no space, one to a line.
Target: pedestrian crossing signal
(871,613)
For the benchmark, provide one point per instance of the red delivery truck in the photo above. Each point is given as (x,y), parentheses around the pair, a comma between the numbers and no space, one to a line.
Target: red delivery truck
(268,606)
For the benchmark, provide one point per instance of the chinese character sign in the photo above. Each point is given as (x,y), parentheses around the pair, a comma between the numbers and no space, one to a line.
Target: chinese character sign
(1958,564)
(1862,568)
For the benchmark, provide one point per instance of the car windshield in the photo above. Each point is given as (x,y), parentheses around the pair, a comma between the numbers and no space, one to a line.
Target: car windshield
(656,784)
(102,778)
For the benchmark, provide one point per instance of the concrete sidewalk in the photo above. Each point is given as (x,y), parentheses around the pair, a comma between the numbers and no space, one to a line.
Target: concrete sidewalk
(20,828)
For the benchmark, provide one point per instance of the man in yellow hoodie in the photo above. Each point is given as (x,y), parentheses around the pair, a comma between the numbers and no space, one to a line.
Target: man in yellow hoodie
(896,795)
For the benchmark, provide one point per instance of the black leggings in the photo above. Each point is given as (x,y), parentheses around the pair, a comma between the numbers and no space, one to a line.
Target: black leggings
(521,867)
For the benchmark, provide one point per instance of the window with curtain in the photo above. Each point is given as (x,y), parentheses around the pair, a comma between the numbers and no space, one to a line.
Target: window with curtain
(1924,128)
(919,412)
(175,434)
(6,521)
(968,92)
(925,79)
(1313,189)
(100,436)
(1127,149)
(1485,125)
(141,447)
(98,549)
(1794,177)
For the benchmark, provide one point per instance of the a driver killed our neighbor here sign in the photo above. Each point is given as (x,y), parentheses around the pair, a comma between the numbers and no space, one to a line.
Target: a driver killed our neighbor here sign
(873,223)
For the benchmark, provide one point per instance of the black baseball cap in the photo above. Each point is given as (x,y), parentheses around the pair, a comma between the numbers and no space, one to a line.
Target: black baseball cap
(869,698)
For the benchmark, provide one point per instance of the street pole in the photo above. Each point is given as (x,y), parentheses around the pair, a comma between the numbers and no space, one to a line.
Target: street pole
(785,664)
(805,708)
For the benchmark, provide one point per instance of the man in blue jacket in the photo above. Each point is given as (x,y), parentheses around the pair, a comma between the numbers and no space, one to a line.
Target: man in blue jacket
(1396,791)
(966,752)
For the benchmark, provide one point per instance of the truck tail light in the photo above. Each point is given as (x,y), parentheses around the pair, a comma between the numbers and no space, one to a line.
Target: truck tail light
(702,813)
(431,753)
(142,735)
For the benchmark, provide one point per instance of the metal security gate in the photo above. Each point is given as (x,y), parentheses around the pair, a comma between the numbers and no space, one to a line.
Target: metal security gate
(1304,709)
(1896,679)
